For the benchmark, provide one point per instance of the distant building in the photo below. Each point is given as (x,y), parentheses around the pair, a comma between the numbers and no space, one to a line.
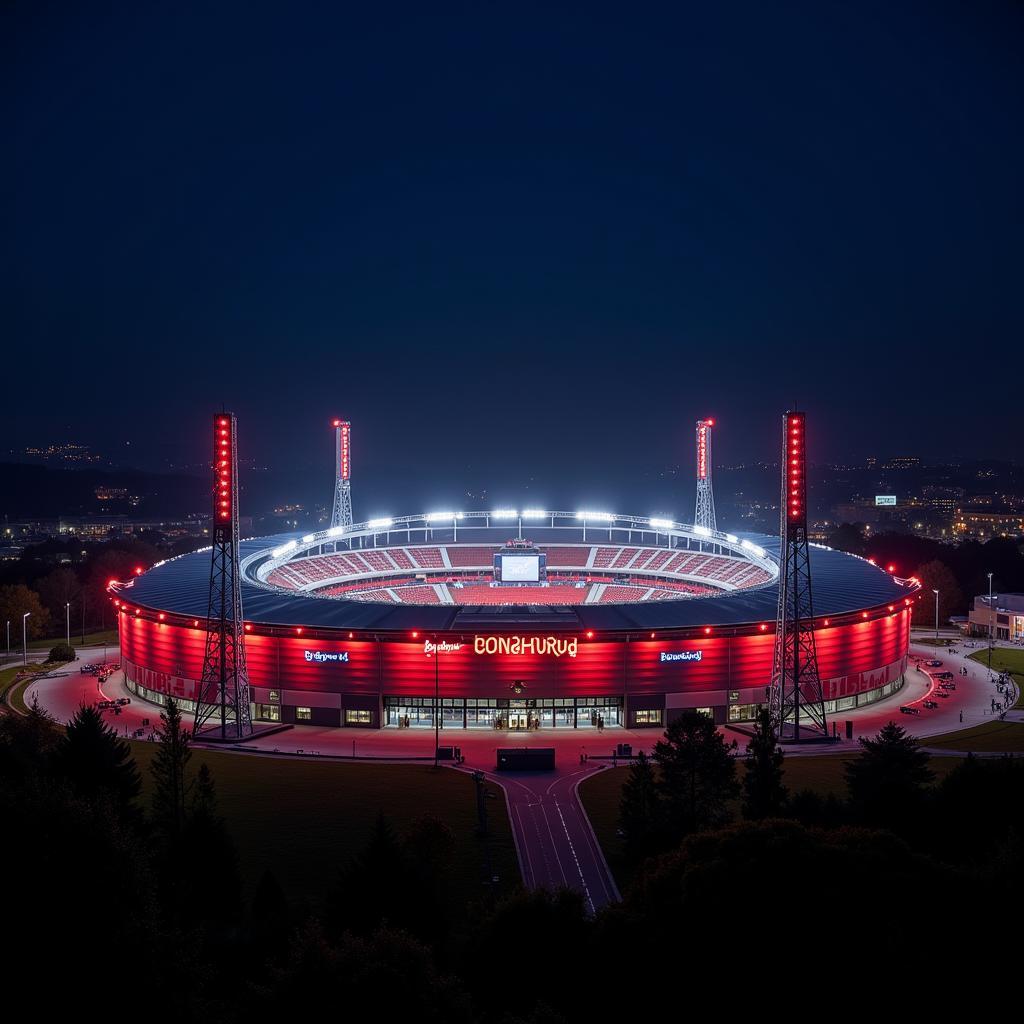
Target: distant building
(111,493)
(985,525)
(1005,616)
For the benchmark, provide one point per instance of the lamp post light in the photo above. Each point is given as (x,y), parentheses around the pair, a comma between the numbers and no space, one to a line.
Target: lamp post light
(437,701)
(991,624)
(936,593)
(24,638)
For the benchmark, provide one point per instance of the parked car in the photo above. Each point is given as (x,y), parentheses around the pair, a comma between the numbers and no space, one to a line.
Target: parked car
(908,710)
(931,704)
(941,693)
(947,686)
(934,663)
(105,705)
(123,700)
(943,675)
(87,669)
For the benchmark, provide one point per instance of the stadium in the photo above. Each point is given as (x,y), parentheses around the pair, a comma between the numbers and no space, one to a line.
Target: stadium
(513,620)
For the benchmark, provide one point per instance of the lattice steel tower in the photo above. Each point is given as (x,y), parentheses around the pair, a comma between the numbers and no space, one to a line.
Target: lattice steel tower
(795,689)
(222,701)
(705,513)
(341,514)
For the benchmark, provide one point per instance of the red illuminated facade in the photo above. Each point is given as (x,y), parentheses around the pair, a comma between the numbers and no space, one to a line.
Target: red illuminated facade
(327,677)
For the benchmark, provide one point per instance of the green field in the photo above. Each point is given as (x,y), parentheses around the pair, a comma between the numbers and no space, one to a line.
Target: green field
(992,737)
(1006,659)
(305,820)
(824,775)
(107,636)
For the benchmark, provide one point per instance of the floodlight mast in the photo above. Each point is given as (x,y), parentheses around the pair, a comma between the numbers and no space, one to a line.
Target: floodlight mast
(223,711)
(341,513)
(795,689)
(704,514)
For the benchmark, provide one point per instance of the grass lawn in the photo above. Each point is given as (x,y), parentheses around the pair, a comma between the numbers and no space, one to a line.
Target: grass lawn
(825,774)
(992,736)
(932,642)
(1006,659)
(305,820)
(12,692)
(107,636)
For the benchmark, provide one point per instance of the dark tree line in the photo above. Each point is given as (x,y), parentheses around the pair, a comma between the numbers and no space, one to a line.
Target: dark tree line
(113,903)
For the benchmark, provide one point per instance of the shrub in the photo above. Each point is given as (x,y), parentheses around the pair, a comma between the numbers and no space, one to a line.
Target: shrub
(62,652)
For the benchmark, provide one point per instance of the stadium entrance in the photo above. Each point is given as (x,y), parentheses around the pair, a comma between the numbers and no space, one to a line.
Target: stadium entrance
(512,714)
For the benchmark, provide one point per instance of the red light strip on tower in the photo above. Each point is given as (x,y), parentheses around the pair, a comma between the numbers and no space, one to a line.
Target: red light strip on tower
(702,449)
(345,454)
(223,463)
(796,478)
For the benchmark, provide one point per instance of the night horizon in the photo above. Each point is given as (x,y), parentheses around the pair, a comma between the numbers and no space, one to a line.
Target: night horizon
(497,220)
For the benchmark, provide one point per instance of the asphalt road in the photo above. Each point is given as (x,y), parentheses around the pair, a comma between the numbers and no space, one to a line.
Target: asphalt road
(554,839)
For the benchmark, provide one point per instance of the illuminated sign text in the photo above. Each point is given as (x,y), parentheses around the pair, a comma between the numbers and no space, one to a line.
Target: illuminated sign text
(681,655)
(526,645)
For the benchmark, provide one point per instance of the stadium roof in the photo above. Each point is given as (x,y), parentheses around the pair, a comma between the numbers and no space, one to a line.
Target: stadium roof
(842,583)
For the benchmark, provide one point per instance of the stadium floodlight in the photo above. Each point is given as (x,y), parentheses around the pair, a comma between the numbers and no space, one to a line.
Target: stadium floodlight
(439,517)
(534,513)
(753,548)
(602,517)
(731,538)
(701,531)
(335,531)
(308,539)
(660,524)
(380,524)
(504,513)
(278,552)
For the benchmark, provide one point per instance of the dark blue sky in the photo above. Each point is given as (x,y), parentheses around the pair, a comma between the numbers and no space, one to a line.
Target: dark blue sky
(513,235)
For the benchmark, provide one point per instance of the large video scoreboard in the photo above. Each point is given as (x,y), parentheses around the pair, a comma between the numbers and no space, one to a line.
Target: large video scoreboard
(520,566)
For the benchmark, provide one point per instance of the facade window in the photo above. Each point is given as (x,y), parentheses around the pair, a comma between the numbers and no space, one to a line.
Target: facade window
(268,712)
(649,716)
(303,714)
(705,711)
(358,717)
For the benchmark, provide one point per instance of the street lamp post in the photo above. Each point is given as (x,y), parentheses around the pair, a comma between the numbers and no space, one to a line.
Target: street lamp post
(936,593)
(991,624)
(437,701)
(24,638)
(67,613)
(8,638)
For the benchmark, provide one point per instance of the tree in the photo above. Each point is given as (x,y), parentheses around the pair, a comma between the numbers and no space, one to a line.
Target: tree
(887,779)
(14,602)
(374,888)
(936,575)
(697,775)
(848,537)
(170,772)
(58,589)
(26,742)
(641,813)
(96,762)
(763,792)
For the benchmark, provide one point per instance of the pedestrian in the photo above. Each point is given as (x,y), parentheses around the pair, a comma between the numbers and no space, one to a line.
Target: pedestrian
(961,718)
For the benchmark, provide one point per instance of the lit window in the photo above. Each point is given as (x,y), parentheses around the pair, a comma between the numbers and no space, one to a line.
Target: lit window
(303,714)
(651,716)
(357,717)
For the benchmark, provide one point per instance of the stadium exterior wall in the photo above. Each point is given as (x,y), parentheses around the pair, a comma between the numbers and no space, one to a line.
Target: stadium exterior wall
(336,678)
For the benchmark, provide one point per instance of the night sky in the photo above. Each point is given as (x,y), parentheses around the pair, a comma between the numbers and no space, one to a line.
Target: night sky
(517,243)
